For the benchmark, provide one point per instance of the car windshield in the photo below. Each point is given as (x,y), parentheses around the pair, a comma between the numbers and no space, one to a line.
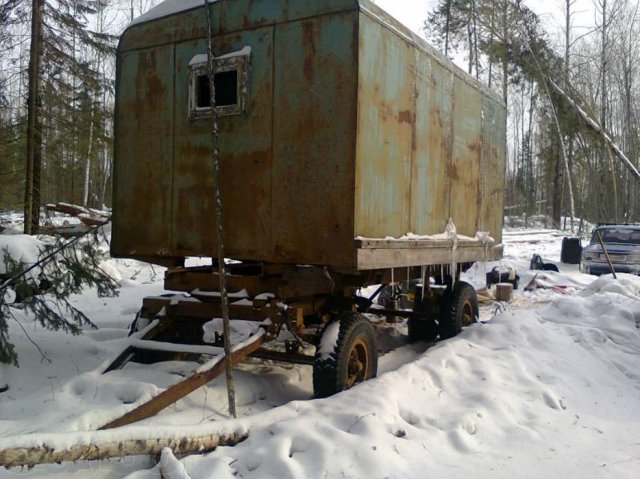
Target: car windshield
(618,235)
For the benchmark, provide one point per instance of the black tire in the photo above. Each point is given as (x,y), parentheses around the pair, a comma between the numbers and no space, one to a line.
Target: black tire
(353,360)
(421,329)
(459,308)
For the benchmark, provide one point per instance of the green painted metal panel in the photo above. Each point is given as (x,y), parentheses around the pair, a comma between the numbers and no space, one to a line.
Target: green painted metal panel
(492,165)
(143,171)
(464,175)
(432,165)
(385,132)
(229,16)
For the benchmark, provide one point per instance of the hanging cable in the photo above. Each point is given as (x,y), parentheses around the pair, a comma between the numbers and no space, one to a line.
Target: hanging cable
(222,273)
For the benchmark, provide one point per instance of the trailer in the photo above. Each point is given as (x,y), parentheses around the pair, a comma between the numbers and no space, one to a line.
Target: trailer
(352,154)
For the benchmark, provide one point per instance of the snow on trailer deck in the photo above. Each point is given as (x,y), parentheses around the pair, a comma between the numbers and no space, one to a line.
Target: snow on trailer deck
(547,388)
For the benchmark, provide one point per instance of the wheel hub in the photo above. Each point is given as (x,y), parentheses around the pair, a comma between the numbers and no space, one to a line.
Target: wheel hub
(467,314)
(358,363)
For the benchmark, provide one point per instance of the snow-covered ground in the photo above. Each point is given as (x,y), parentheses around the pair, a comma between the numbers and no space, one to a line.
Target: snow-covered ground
(547,386)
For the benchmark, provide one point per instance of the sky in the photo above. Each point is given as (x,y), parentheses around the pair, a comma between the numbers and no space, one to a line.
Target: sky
(413,13)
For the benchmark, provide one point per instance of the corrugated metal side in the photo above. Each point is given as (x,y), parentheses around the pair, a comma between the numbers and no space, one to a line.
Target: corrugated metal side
(494,143)
(464,175)
(424,153)
(386,113)
(432,158)
(144,135)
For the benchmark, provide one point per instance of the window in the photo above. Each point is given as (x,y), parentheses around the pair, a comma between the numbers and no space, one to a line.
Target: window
(230,82)
(618,235)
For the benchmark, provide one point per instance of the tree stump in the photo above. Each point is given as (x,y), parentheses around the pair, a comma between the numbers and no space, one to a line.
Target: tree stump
(504,292)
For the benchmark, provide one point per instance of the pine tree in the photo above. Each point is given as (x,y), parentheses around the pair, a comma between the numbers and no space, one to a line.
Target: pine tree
(43,289)
(63,73)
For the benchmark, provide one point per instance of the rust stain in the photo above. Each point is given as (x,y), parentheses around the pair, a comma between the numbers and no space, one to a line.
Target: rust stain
(309,45)
(405,116)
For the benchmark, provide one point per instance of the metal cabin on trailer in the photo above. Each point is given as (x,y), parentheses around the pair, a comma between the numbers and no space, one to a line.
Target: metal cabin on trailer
(340,132)
(336,123)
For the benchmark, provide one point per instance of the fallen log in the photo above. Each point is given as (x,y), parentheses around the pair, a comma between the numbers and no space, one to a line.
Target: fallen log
(30,456)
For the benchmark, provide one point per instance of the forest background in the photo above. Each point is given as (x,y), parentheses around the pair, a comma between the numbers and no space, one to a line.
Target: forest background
(57,71)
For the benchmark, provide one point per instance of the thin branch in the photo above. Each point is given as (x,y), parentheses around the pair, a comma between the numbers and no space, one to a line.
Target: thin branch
(44,356)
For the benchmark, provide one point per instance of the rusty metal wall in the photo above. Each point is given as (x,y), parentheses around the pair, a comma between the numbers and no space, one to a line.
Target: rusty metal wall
(430,140)
(286,164)
(464,175)
(315,102)
(386,112)
(142,173)
(245,157)
(494,143)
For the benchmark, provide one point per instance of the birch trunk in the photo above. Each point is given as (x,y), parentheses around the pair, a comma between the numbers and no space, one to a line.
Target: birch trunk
(29,456)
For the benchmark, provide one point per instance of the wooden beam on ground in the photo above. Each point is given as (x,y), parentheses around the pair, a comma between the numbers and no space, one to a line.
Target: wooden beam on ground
(180,390)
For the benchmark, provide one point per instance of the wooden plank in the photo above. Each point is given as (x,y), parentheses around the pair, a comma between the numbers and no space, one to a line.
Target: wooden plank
(425,243)
(187,281)
(295,282)
(297,358)
(128,352)
(374,258)
(214,310)
(188,385)
(207,310)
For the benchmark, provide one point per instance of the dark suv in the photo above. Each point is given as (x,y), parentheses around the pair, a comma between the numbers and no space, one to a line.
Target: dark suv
(622,243)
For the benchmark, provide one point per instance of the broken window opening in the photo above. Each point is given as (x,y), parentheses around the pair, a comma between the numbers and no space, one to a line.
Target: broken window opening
(230,81)
(226,90)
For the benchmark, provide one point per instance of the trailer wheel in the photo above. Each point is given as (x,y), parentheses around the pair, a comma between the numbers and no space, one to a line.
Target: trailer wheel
(459,308)
(421,329)
(353,359)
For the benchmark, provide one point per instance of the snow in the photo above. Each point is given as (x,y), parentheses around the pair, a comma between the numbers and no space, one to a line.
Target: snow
(168,7)
(240,330)
(329,340)
(201,58)
(22,248)
(546,386)
(450,233)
